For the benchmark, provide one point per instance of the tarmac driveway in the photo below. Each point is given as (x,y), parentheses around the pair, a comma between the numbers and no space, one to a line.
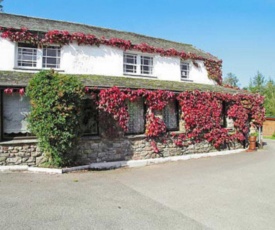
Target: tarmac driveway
(227,192)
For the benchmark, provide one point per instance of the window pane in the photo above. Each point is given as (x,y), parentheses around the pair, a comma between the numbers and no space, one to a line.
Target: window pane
(51,57)
(146,65)
(130,63)
(89,122)
(15,111)
(170,116)
(26,56)
(136,116)
(184,70)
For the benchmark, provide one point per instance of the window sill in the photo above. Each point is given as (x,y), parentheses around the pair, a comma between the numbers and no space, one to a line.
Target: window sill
(186,80)
(83,138)
(14,142)
(37,69)
(133,136)
(136,75)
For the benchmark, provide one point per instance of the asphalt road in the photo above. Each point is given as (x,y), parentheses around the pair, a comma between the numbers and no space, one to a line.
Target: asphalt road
(227,192)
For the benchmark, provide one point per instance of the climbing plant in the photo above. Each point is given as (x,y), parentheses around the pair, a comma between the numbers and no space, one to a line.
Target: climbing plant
(55,113)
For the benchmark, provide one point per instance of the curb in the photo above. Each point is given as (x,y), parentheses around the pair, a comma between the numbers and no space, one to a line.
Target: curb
(117,164)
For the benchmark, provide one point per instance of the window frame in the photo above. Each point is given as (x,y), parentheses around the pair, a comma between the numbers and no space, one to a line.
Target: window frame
(184,63)
(39,57)
(177,117)
(144,119)
(2,135)
(57,57)
(139,64)
(21,53)
(97,122)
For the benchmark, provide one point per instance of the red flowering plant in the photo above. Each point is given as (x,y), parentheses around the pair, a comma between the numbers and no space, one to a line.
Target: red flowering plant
(21,91)
(22,35)
(201,112)
(112,101)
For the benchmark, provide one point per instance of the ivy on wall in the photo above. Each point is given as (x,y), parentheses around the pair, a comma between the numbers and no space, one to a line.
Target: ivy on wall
(56,109)
(213,66)
(202,113)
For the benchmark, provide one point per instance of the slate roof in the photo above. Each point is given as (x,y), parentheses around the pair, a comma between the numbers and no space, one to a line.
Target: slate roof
(44,25)
(19,79)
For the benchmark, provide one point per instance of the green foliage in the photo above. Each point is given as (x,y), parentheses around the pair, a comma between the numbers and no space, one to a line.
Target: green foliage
(270,98)
(56,113)
(266,88)
(231,79)
(257,84)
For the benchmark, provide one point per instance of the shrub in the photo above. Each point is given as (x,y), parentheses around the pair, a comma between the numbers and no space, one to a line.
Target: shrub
(56,113)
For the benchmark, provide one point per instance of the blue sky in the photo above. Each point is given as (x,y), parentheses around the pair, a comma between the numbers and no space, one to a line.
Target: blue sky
(240,32)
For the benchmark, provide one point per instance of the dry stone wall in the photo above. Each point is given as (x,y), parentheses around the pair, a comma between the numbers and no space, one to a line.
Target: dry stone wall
(92,150)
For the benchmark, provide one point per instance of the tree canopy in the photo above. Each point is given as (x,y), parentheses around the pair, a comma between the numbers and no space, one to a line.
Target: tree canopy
(231,80)
(258,84)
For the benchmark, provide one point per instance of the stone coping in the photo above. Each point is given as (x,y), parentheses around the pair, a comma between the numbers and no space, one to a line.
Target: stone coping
(117,164)
(21,141)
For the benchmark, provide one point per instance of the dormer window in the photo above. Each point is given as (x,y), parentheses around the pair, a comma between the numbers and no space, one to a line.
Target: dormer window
(184,70)
(137,64)
(31,56)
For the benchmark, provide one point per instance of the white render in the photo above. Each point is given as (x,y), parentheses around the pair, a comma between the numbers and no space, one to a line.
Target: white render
(104,60)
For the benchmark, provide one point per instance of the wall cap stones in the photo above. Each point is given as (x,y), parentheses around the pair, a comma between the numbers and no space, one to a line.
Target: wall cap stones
(15,142)
(119,164)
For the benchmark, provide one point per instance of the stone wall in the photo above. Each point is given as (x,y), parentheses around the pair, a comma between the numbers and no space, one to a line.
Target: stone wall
(95,149)
(20,154)
(135,148)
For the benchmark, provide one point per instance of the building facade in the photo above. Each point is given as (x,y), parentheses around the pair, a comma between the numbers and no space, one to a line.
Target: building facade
(101,58)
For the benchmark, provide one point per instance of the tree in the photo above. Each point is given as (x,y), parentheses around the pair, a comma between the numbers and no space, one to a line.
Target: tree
(257,84)
(270,98)
(1,6)
(266,88)
(231,79)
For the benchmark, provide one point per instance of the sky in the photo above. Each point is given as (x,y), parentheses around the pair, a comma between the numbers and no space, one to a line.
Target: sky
(240,32)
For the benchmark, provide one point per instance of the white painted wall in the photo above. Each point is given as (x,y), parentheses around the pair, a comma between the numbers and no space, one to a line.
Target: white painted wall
(167,68)
(7,54)
(105,60)
(199,74)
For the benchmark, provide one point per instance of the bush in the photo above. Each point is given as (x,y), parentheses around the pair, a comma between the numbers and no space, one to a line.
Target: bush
(56,113)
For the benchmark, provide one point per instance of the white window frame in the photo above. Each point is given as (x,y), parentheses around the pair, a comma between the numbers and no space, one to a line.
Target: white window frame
(31,52)
(57,57)
(187,76)
(39,58)
(138,64)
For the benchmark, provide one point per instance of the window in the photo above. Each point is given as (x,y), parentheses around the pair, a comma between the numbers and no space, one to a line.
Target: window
(136,122)
(170,116)
(137,64)
(31,56)
(89,122)
(51,57)
(184,70)
(130,63)
(146,65)
(226,122)
(27,55)
(15,111)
